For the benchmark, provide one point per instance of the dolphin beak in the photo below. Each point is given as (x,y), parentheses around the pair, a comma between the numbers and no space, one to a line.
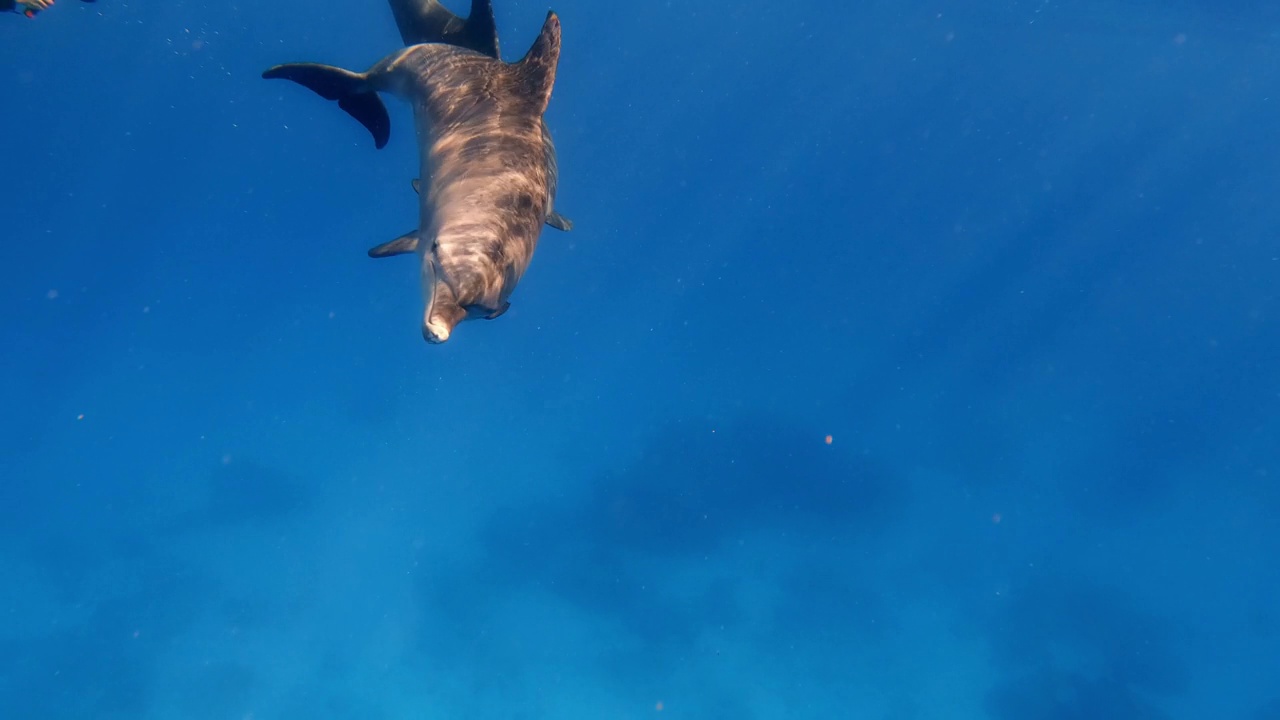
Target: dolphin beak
(434,331)
(435,326)
(431,332)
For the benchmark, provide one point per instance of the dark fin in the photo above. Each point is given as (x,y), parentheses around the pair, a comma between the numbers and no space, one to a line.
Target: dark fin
(559,222)
(427,21)
(417,185)
(402,245)
(536,72)
(498,313)
(349,89)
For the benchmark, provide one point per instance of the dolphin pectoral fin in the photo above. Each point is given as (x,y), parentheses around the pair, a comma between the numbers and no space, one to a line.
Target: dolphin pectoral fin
(427,21)
(417,185)
(498,313)
(350,89)
(559,222)
(402,245)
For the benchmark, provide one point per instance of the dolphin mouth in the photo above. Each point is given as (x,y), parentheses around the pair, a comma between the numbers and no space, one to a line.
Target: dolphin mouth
(432,332)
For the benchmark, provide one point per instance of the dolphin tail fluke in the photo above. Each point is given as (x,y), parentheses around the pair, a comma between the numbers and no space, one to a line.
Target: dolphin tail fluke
(427,21)
(350,89)
(537,70)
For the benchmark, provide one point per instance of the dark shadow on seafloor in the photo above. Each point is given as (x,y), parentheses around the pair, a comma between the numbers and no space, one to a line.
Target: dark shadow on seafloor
(1069,648)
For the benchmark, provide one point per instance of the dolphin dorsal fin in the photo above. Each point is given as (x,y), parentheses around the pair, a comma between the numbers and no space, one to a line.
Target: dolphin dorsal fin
(427,21)
(537,70)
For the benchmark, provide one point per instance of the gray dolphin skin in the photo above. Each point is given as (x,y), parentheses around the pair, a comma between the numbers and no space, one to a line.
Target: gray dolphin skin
(486,157)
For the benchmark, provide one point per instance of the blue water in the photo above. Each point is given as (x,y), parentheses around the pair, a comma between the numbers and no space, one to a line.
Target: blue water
(1018,263)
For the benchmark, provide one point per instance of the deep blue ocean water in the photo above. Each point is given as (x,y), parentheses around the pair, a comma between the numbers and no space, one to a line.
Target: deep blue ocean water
(908,360)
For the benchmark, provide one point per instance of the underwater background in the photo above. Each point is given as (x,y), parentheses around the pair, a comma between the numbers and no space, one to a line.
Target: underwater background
(908,360)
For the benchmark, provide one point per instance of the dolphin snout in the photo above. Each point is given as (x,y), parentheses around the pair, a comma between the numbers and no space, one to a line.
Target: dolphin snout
(434,333)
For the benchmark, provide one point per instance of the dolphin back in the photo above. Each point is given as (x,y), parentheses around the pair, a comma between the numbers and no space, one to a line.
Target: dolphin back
(427,21)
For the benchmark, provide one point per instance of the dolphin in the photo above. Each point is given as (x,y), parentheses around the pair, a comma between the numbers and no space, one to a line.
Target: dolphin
(426,21)
(485,154)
